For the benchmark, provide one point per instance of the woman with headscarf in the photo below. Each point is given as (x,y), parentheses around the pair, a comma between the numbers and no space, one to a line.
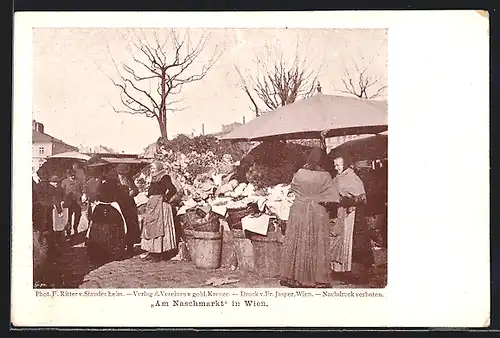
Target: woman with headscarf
(158,233)
(352,245)
(305,260)
(129,207)
(107,229)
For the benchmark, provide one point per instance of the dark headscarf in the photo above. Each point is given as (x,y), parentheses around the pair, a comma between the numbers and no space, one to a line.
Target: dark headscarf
(315,160)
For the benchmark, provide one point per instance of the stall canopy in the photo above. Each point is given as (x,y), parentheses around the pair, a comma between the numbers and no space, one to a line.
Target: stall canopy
(134,164)
(307,118)
(59,164)
(72,155)
(364,149)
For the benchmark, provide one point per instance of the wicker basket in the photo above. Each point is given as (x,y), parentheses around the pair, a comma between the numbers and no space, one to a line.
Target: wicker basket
(192,221)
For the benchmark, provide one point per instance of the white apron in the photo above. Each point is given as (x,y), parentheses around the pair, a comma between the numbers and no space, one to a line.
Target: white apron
(114,205)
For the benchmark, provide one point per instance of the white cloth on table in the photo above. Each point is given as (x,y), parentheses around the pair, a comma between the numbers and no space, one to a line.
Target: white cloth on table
(219,209)
(258,224)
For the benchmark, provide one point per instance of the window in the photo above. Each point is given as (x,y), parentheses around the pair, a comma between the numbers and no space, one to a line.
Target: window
(41,150)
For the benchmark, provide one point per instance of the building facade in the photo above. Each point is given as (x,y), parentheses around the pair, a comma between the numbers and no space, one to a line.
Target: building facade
(44,145)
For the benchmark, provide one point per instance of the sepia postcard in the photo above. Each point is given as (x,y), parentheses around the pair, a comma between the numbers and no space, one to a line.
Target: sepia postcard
(232,169)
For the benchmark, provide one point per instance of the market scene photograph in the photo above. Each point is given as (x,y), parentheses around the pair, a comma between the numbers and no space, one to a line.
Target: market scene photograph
(202,158)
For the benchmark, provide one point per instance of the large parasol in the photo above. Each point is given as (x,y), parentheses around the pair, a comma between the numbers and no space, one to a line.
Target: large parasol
(307,118)
(59,164)
(133,164)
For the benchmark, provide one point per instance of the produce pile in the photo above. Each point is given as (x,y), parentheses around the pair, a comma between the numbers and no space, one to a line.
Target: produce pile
(221,185)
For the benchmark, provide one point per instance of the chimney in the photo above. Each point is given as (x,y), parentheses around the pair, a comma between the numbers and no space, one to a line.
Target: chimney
(243,119)
(37,126)
(318,88)
(203,129)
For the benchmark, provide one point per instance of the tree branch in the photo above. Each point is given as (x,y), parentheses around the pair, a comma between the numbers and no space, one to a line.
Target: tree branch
(168,75)
(363,82)
(278,83)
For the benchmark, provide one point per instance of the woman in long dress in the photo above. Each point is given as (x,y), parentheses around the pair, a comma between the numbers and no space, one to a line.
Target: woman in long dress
(305,260)
(352,244)
(107,230)
(158,233)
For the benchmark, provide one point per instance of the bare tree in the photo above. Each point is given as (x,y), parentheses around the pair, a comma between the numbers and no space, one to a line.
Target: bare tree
(278,83)
(361,84)
(165,65)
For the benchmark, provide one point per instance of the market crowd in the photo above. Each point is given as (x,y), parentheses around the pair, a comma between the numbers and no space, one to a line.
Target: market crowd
(326,235)
(105,195)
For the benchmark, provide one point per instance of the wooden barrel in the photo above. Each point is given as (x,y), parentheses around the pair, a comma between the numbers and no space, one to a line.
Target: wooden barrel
(267,253)
(244,250)
(208,248)
(229,258)
(188,238)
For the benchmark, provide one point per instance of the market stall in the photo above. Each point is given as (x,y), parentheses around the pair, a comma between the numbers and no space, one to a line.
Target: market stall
(248,201)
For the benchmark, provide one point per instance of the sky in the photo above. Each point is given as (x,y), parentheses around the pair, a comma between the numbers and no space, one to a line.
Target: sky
(74,97)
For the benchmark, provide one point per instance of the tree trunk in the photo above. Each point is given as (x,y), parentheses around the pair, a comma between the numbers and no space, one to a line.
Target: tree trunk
(163,107)
(163,129)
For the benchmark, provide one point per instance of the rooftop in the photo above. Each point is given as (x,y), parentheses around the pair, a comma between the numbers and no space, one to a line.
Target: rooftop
(42,137)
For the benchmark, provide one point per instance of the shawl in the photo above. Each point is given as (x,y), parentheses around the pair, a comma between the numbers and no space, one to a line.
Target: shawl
(314,185)
(349,184)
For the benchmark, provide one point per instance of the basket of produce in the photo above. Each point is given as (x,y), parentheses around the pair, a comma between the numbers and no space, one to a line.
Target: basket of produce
(234,216)
(198,220)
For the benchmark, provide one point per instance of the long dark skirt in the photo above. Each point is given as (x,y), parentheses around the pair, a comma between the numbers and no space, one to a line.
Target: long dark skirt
(129,209)
(53,269)
(106,238)
(362,253)
(306,245)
